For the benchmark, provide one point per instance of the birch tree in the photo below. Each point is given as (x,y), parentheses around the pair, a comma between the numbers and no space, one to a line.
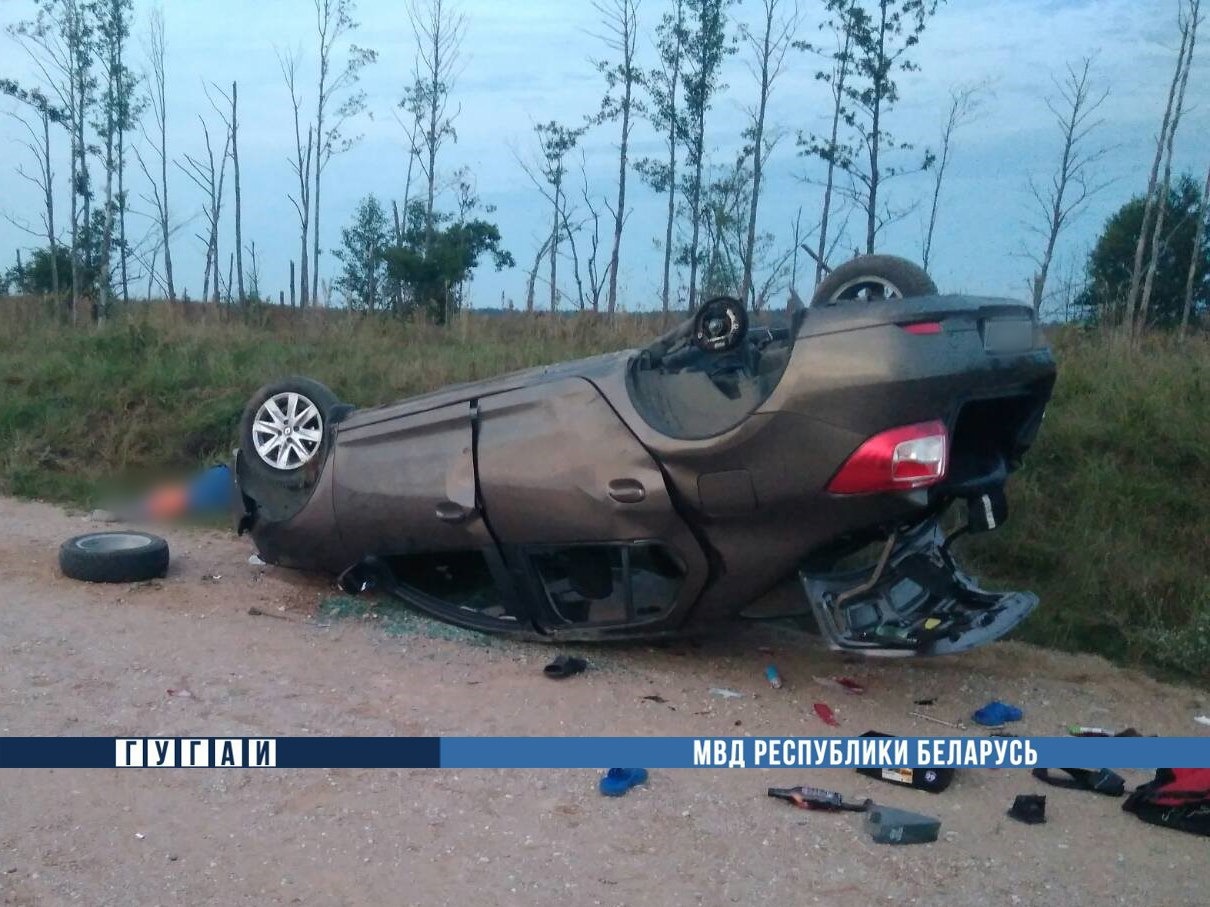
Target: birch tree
(1191,20)
(333,22)
(619,19)
(156,77)
(706,47)
(439,28)
(304,152)
(1073,107)
(209,176)
(664,111)
(60,42)
(964,104)
(767,46)
(1195,257)
(1152,196)
(37,141)
(830,149)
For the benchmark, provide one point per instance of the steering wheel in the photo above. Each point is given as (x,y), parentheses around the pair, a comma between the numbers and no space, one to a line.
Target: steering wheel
(720,325)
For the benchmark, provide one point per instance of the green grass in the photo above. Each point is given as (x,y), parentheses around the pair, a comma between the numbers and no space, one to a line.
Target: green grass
(1110,516)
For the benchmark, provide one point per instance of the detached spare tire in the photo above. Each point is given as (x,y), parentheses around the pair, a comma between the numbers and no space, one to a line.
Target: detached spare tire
(114,557)
(874,277)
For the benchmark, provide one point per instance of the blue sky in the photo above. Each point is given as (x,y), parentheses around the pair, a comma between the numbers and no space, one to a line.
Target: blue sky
(529,61)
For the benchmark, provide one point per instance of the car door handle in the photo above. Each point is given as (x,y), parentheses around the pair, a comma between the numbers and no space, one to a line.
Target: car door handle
(449,512)
(627,491)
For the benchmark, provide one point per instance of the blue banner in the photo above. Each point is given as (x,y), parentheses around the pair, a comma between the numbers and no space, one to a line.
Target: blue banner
(603,752)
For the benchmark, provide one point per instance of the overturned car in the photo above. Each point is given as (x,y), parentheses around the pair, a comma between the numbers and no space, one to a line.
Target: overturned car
(648,491)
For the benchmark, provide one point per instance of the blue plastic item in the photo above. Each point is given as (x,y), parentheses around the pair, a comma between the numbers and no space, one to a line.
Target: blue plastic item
(210,490)
(996,713)
(618,781)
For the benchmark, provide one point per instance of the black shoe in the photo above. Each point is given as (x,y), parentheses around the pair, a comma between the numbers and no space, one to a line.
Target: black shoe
(1029,808)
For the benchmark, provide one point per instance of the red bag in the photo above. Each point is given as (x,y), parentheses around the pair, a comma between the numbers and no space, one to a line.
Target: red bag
(1177,798)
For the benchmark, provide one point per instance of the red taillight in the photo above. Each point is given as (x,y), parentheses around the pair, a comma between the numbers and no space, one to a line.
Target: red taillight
(898,459)
(923,327)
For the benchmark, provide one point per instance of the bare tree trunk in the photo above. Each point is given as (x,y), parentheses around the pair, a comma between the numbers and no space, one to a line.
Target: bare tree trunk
(840,77)
(554,249)
(1199,238)
(674,77)
(48,181)
(623,22)
(1136,273)
(301,164)
(962,104)
(533,275)
(438,30)
(293,301)
(1070,187)
(695,210)
(101,304)
(158,97)
(239,241)
(1166,184)
(770,50)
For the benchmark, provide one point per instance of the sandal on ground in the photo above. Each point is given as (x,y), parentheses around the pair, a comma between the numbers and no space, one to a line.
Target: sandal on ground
(564,666)
(1103,781)
(618,781)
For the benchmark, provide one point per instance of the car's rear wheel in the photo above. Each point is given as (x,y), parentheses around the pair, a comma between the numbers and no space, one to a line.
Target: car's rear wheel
(874,277)
(284,433)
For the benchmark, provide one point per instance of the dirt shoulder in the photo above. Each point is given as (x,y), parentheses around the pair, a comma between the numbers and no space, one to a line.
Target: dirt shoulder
(79,659)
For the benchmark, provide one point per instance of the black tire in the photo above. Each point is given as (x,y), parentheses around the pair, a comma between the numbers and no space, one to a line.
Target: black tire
(876,277)
(297,471)
(114,557)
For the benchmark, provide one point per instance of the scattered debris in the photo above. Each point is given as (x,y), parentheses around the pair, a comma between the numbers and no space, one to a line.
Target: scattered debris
(933,780)
(1203,719)
(954,724)
(850,685)
(655,698)
(257,612)
(1029,808)
(1078,730)
(724,693)
(826,714)
(931,701)
(818,798)
(618,781)
(180,694)
(996,714)
(1176,798)
(773,677)
(899,826)
(564,666)
(255,561)
(211,577)
(139,835)
(1103,781)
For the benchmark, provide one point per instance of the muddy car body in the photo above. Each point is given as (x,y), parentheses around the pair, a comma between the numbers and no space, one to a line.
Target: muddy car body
(649,491)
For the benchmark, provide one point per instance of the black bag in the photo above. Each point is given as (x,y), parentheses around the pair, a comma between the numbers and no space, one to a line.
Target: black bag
(1177,798)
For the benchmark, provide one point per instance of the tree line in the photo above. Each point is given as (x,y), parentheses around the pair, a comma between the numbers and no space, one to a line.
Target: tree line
(660,65)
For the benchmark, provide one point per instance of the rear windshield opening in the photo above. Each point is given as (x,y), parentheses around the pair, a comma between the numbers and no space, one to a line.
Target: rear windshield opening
(690,393)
